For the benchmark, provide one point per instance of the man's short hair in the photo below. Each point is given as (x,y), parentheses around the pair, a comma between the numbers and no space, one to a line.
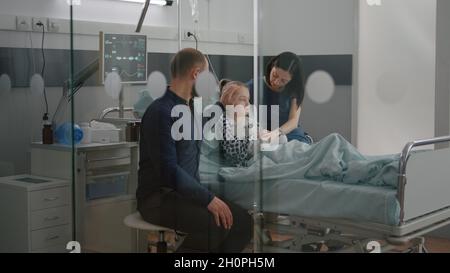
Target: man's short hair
(185,60)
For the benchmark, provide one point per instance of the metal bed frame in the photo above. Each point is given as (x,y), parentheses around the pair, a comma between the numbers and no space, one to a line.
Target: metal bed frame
(352,236)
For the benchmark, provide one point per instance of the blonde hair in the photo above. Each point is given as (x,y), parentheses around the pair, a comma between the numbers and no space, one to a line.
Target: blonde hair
(229,89)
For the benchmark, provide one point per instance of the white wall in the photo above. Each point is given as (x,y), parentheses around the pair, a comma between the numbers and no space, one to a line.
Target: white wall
(443,68)
(443,81)
(215,14)
(220,23)
(226,25)
(313,27)
(307,27)
(396,74)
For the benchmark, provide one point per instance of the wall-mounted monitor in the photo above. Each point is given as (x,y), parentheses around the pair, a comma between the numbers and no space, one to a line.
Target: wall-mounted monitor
(125,54)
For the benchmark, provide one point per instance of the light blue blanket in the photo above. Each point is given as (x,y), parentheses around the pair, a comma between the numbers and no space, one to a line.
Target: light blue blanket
(331,159)
(310,181)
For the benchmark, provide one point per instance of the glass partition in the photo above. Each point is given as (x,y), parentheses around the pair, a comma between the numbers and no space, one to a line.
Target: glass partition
(219,126)
(223,32)
(124,60)
(305,92)
(36,167)
(370,79)
(109,76)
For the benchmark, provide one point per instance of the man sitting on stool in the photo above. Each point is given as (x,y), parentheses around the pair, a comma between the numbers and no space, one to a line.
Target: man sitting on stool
(169,193)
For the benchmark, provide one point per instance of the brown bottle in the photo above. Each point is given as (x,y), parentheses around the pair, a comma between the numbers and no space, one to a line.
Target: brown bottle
(129,132)
(47,131)
(47,134)
(137,129)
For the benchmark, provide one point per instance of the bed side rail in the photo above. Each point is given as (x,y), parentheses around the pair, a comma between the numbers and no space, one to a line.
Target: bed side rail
(406,153)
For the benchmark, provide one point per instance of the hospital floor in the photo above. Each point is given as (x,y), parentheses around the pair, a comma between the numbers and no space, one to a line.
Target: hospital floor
(433,245)
(437,245)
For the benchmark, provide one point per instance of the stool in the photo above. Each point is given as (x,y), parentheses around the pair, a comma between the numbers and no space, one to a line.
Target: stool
(135,221)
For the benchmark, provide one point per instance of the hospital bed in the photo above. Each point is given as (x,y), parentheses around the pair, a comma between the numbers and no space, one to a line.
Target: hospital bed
(419,205)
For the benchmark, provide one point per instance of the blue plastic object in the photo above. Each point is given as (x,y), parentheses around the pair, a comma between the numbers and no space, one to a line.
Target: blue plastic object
(142,103)
(63,134)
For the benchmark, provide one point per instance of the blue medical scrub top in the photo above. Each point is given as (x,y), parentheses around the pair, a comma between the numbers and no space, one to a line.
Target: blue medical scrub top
(270,98)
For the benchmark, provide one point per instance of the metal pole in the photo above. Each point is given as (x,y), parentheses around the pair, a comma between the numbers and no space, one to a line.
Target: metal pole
(257,216)
(121,107)
(179,25)
(72,119)
(138,241)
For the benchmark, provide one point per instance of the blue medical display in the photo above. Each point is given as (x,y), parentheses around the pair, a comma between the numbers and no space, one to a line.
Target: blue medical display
(126,55)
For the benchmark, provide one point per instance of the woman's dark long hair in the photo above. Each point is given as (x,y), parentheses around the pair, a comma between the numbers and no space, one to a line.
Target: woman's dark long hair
(290,62)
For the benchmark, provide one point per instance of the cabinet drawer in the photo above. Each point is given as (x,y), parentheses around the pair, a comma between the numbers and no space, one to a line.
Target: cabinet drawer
(51,198)
(50,217)
(45,238)
(52,249)
(108,158)
(107,153)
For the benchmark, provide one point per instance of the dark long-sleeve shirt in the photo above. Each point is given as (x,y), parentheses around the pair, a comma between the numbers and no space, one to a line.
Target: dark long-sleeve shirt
(165,162)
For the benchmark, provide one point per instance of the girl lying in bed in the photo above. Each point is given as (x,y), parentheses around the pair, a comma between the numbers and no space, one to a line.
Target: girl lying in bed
(333,158)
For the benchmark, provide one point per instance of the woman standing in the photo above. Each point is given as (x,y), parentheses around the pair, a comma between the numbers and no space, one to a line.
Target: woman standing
(284,85)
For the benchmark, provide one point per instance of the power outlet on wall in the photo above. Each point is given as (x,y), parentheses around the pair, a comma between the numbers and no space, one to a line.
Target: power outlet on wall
(242,38)
(23,23)
(53,25)
(186,36)
(39,20)
(191,38)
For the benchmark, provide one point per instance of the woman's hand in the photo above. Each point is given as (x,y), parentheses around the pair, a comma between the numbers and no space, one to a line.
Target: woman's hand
(268,136)
(263,133)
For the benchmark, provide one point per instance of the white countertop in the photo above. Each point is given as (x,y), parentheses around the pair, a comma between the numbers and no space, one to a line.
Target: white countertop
(47,182)
(84,147)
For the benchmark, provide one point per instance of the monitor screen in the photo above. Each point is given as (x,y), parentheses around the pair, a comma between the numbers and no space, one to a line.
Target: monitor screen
(126,55)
